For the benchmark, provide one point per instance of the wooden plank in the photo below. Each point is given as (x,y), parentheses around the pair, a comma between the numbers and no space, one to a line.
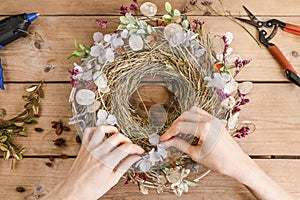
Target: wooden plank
(272,108)
(214,186)
(22,61)
(100,7)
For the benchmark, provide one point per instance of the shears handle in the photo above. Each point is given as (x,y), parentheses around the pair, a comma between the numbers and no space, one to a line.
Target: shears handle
(281,59)
(292,29)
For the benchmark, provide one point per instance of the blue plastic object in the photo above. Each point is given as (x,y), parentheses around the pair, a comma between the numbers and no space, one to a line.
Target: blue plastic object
(1,77)
(1,46)
(32,16)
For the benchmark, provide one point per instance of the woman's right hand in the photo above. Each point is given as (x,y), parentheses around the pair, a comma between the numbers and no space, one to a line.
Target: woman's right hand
(223,150)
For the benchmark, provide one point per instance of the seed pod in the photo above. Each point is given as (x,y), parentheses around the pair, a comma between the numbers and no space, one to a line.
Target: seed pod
(58,129)
(6,155)
(49,164)
(16,156)
(22,150)
(2,112)
(20,189)
(31,88)
(3,147)
(39,130)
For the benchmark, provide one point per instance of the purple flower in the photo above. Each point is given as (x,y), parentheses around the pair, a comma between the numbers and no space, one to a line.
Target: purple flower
(123,10)
(222,95)
(198,22)
(75,82)
(236,109)
(245,101)
(133,7)
(135,1)
(102,23)
(73,72)
(243,132)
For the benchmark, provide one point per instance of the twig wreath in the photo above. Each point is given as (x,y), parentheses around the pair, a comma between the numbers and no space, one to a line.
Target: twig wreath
(194,68)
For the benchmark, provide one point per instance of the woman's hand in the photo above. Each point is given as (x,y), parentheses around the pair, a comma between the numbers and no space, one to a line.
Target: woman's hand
(218,151)
(216,148)
(99,165)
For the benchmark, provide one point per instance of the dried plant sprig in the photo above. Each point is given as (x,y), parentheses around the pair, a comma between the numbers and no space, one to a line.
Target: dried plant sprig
(15,125)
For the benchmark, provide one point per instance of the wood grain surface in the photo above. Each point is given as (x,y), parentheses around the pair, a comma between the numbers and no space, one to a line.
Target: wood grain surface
(274,102)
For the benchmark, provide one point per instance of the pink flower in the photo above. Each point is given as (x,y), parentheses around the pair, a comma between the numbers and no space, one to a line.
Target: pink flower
(133,7)
(123,10)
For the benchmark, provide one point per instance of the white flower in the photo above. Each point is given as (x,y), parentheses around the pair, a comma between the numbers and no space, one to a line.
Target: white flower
(154,139)
(228,102)
(148,9)
(93,107)
(218,81)
(154,156)
(179,185)
(171,30)
(98,37)
(197,49)
(109,55)
(229,37)
(104,118)
(125,34)
(85,97)
(100,80)
(144,164)
(233,120)
(97,50)
(245,87)
(136,42)
(231,87)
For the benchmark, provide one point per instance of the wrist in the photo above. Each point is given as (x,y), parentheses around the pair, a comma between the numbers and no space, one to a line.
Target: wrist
(61,192)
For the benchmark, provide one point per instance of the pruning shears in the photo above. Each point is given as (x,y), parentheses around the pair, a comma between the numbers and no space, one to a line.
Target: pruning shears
(264,38)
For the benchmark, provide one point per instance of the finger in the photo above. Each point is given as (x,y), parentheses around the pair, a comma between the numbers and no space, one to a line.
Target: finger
(99,134)
(198,110)
(116,156)
(191,117)
(87,134)
(183,127)
(126,164)
(182,145)
(109,144)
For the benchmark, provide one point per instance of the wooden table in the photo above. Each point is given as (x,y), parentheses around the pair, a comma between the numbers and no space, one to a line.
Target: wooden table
(274,106)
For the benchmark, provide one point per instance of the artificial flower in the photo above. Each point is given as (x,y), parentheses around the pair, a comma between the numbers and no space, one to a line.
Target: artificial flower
(148,9)
(218,81)
(233,120)
(104,118)
(154,139)
(231,86)
(100,81)
(245,87)
(102,23)
(136,42)
(228,102)
(85,97)
(98,37)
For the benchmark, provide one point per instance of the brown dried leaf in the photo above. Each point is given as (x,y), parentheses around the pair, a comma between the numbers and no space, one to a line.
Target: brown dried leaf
(3,138)
(6,155)
(2,112)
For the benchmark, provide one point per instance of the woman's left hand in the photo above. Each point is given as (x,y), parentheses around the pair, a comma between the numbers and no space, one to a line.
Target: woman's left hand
(99,165)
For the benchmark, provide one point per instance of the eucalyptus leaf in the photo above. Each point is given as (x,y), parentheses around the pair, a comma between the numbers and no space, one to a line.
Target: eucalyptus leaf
(167,17)
(168,7)
(122,27)
(176,13)
(124,20)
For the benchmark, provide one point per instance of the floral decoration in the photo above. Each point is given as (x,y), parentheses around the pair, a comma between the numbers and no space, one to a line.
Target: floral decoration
(140,30)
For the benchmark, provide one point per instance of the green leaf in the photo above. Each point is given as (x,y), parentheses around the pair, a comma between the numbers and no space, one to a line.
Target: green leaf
(121,27)
(82,46)
(75,43)
(32,122)
(168,7)
(230,67)
(176,13)
(131,26)
(124,20)
(167,17)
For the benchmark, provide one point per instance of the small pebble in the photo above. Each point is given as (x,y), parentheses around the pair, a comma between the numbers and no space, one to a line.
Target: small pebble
(20,189)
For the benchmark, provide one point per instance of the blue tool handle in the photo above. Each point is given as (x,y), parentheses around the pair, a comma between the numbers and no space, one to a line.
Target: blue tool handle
(1,77)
